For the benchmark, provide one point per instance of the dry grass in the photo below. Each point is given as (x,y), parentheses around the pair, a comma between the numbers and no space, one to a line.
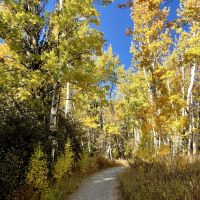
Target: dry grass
(177,180)
(122,162)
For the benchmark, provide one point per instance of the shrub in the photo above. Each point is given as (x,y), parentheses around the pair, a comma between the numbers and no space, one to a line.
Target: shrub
(93,166)
(37,170)
(64,162)
(103,162)
(84,162)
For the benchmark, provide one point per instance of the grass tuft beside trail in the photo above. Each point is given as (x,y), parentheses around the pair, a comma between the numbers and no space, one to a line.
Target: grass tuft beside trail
(157,180)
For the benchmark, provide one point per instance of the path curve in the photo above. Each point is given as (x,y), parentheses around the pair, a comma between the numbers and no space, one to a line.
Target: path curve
(100,186)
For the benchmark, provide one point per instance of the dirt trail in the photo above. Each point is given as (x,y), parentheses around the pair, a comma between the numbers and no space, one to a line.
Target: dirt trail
(100,186)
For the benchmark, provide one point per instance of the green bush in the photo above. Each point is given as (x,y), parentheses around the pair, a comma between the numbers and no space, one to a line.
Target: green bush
(84,162)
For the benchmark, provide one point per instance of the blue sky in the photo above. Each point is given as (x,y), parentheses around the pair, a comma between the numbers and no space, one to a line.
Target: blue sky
(114,22)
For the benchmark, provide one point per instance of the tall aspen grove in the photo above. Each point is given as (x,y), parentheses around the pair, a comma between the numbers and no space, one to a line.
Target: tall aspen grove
(94,85)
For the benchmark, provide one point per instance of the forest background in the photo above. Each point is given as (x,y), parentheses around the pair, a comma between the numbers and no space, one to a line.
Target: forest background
(66,98)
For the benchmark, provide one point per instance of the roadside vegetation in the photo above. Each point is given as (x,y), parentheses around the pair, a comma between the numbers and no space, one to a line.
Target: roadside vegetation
(67,175)
(175,179)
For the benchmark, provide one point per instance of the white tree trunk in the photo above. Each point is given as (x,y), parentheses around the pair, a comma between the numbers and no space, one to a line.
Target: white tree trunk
(189,107)
(190,127)
(183,88)
(136,138)
(159,142)
(109,150)
(89,141)
(189,93)
(60,4)
(195,142)
(55,106)
(194,133)
(67,102)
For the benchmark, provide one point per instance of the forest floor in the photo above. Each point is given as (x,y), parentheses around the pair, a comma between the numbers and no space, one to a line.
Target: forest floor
(100,186)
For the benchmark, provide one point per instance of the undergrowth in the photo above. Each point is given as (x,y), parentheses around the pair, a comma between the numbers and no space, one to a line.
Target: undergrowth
(69,182)
(161,180)
(63,178)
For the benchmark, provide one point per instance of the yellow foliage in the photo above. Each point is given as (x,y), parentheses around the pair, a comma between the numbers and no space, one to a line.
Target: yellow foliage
(90,122)
(112,128)
(37,170)
(164,150)
(64,163)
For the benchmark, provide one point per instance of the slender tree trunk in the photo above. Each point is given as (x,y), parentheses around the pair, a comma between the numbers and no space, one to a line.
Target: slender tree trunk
(136,138)
(191,124)
(183,88)
(189,145)
(55,106)
(159,142)
(89,141)
(189,94)
(196,133)
(67,102)
(195,140)
(109,150)
(189,107)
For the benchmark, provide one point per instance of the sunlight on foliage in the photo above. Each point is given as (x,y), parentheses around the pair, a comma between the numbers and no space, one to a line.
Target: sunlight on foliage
(65,162)
(37,170)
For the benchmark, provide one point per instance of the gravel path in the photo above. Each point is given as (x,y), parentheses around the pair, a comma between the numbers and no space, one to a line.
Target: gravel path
(100,186)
